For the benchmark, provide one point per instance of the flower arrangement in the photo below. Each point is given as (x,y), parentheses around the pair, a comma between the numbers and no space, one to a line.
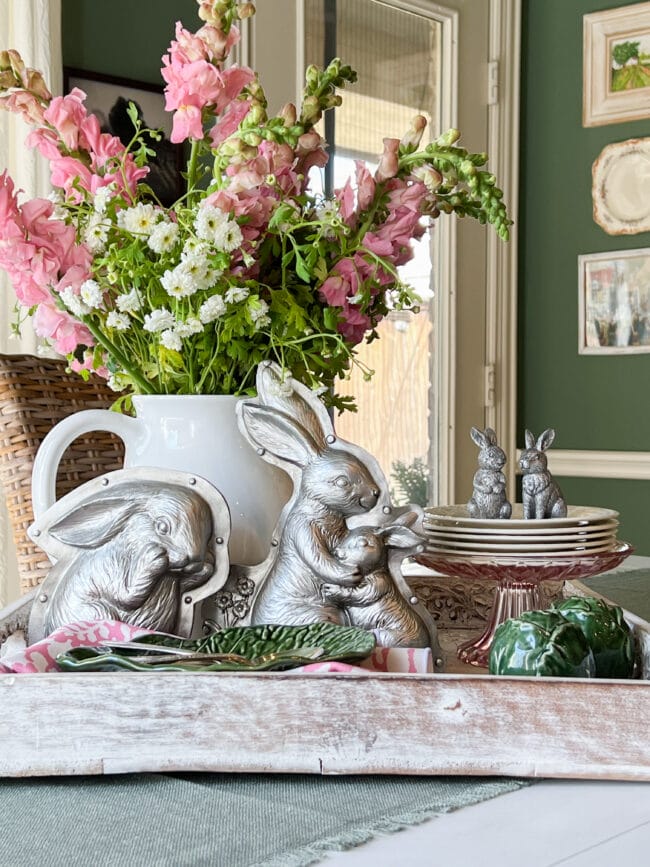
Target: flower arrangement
(247,265)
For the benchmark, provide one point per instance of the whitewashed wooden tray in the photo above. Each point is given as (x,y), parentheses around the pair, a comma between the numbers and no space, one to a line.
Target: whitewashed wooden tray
(461,722)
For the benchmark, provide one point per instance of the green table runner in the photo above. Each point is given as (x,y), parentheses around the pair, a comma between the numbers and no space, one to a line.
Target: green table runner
(628,588)
(216,820)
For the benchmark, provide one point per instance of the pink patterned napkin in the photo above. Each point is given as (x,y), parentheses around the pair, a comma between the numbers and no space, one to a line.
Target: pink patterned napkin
(42,656)
(87,633)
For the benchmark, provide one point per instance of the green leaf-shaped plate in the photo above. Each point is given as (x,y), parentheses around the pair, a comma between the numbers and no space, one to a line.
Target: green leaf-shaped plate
(254,643)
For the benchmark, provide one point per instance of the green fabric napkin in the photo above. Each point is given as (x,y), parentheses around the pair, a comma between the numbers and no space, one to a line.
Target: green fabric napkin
(216,820)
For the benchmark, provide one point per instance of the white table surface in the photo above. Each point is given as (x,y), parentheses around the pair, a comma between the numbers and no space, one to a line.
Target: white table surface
(553,822)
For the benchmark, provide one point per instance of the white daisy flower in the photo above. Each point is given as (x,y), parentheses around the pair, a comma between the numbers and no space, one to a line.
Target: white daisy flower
(262,322)
(194,247)
(96,234)
(158,320)
(171,340)
(258,309)
(228,237)
(129,303)
(102,196)
(163,237)
(327,211)
(180,282)
(190,326)
(212,309)
(236,294)
(209,221)
(197,270)
(139,220)
(118,321)
(91,294)
(118,381)
(73,302)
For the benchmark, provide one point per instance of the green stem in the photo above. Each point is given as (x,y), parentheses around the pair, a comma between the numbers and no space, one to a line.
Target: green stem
(192,166)
(144,386)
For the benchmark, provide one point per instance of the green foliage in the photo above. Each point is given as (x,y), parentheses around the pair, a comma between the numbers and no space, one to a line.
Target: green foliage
(625,51)
(412,482)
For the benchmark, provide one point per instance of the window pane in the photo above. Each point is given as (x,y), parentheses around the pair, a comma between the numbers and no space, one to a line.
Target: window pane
(397,57)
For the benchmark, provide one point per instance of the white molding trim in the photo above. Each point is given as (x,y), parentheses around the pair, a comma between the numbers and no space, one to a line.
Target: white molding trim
(501,288)
(599,465)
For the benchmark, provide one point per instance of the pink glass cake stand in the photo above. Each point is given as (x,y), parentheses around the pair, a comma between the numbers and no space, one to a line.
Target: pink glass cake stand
(517,583)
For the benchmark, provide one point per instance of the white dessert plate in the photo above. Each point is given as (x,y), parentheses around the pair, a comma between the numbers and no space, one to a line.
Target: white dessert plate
(487,547)
(524,533)
(450,534)
(577,516)
(541,556)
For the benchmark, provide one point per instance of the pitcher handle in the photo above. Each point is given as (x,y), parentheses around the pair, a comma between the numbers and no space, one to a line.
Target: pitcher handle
(57,441)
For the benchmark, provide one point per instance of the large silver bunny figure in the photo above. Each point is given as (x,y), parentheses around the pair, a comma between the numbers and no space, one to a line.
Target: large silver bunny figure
(335,485)
(141,546)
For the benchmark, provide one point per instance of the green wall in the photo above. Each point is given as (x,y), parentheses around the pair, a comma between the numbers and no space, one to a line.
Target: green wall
(123,37)
(593,402)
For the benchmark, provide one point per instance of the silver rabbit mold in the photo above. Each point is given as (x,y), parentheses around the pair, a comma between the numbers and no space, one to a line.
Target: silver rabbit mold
(489,495)
(142,546)
(310,573)
(541,494)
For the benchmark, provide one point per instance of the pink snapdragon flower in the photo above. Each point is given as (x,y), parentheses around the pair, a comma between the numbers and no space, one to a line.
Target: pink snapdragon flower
(60,328)
(25,104)
(195,85)
(351,205)
(389,160)
(66,115)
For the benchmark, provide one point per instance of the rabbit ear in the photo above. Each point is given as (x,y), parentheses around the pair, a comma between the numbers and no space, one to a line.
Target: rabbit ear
(279,390)
(276,433)
(479,437)
(406,519)
(398,536)
(491,436)
(530,440)
(545,439)
(93,524)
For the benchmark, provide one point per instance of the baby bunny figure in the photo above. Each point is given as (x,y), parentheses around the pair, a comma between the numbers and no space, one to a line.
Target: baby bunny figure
(489,497)
(374,601)
(542,497)
(136,550)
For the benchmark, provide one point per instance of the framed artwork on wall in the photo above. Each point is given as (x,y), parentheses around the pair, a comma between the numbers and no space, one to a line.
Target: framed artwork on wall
(616,65)
(614,302)
(108,98)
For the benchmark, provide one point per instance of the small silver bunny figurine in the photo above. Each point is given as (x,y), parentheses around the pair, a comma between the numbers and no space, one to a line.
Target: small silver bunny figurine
(373,600)
(542,497)
(489,496)
(141,546)
(337,485)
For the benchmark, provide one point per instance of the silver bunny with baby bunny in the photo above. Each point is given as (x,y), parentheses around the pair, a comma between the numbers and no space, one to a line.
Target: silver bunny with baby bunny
(489,498)
(336,484)
(141,546)
(373,600)
(541,494)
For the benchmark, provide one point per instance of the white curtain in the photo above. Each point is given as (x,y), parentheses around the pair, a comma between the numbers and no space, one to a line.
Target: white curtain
(33,27)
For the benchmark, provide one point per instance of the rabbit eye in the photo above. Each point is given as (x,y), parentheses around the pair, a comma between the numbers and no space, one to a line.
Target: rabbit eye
(163,526)
(341,482)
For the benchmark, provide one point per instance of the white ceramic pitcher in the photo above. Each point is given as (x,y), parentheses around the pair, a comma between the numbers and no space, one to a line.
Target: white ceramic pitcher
(193,433)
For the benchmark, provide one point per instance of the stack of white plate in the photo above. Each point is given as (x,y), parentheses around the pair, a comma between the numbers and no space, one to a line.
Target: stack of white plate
(585,531)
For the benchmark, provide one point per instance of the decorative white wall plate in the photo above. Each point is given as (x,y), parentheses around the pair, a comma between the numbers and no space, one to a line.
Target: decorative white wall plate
(621,187)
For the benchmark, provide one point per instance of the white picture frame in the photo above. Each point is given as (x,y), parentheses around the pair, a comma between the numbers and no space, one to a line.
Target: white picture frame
(616,84)
(614,302)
